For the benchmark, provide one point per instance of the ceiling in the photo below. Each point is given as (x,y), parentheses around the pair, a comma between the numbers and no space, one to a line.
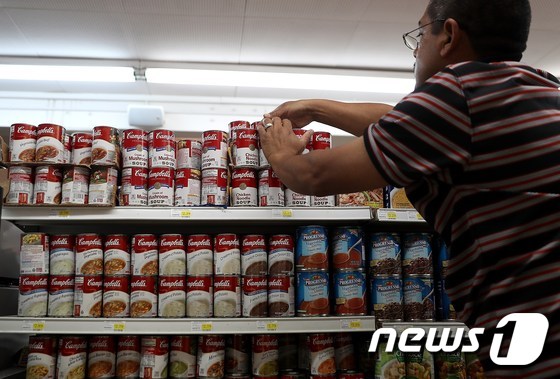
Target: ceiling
(330,34)
(358,37)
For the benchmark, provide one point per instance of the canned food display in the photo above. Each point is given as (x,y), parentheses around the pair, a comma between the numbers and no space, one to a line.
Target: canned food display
(419,298)
(347,248)
(312,293)
(385,254)
(200,296)
(134,148)
(33,295)
(189,154)
(72,357)
(105,146)
(81,149)
(128,357)
(182,356)
(227,296)
(211,356)
(21,185)
(312,246)
(61,296)
(41,360)
(101,357)
(161,146)
(47,187)
(417,254)
(154,357)
(50,143)
(23,141)
(265,355)
(244,148)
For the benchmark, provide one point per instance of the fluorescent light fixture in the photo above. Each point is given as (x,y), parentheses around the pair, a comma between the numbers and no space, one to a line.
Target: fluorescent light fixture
(290,80)
(67,73)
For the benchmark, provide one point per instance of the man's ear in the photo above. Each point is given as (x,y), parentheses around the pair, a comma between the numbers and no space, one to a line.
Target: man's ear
(451,37)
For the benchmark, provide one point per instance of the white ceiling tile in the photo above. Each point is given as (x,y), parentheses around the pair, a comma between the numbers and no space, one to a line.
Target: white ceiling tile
(308,9)
(187,8)
(65,5)
(12,41)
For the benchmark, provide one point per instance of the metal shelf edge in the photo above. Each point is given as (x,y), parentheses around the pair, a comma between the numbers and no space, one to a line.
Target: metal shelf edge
(117,326)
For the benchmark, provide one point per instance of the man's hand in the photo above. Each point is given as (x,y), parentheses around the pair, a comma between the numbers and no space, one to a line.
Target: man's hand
(279,142)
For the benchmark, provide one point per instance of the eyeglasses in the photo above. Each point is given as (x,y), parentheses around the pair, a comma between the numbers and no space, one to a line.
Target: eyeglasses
(413,42)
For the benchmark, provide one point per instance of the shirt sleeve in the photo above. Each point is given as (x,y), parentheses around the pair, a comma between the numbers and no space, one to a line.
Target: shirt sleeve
(427,133)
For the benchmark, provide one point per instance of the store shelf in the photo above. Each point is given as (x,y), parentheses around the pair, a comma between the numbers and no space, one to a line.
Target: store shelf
(34,215)
(397,215)
(186,326)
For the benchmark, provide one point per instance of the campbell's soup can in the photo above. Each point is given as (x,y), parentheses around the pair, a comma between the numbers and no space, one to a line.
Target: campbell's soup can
(88,296)
(134,186)
(89,254)
(75,185)
(244,187)
(265,355)
(281,254)
(23,141)
(323,201)
(61,254)
(344,353)
(227,296)
(312,245)
(200,254)
(61,296)
(214,149)
(34,254)
(210,360)
(417,254)
(102,351)
(144,254)
(263,160)
(189,154)
(385,254)
(255,296)
(134,148)
(182,357)
(161,145)
(104,146)
(116,255)
(347,246)
(281,296)
(116,296)
(386,294)
(172,296)
(350,292)
(238,348)
(50,143)
(21,185)
(161,186)
(214,189)
(271,189)
(154,357)
(200,296)
(234,126)
(143,296)
(321,140)
(103,186)
(67,148)
(172,255)
(33,295)
(227,256)
(253,255)
(72,357)
(321,350)
(312,293)
(245,148)
(48,185)
(294,199)
(41,360)
(128,357)
(81,148)
(187,187)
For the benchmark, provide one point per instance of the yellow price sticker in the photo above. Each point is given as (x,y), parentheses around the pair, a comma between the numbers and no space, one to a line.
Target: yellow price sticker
(392,215)
(272,326)
(186,214)
(287,213)
(64,213)
(39,326)
(355,324)
(419,217)
(118,327)
(206,327)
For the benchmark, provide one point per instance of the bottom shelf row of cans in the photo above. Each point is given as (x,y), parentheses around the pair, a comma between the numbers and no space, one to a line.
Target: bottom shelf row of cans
(280,356)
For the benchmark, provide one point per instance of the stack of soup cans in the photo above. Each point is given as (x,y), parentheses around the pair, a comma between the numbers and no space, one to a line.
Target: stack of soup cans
(161,164)
(312,271)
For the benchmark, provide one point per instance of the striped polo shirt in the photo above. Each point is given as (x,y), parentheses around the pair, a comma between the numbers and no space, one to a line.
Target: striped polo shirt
(477,148)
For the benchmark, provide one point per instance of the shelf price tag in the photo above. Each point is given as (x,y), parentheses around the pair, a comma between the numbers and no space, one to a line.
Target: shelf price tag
(391,215)
(60,213)
(283,213)
(202,327)
(351,324)
(181,213)
(38,326)
(272,326)
(119,327)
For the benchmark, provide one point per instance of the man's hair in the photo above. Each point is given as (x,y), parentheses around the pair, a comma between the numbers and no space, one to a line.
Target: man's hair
(496,28)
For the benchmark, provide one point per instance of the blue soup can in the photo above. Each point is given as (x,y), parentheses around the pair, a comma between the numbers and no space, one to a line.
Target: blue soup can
(312,245)
(418,297)
(349,292)
(312,295)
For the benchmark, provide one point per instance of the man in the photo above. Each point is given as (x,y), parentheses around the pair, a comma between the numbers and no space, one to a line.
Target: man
(477,147)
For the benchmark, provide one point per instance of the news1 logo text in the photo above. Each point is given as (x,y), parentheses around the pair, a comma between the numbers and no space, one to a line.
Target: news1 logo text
(526,344)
